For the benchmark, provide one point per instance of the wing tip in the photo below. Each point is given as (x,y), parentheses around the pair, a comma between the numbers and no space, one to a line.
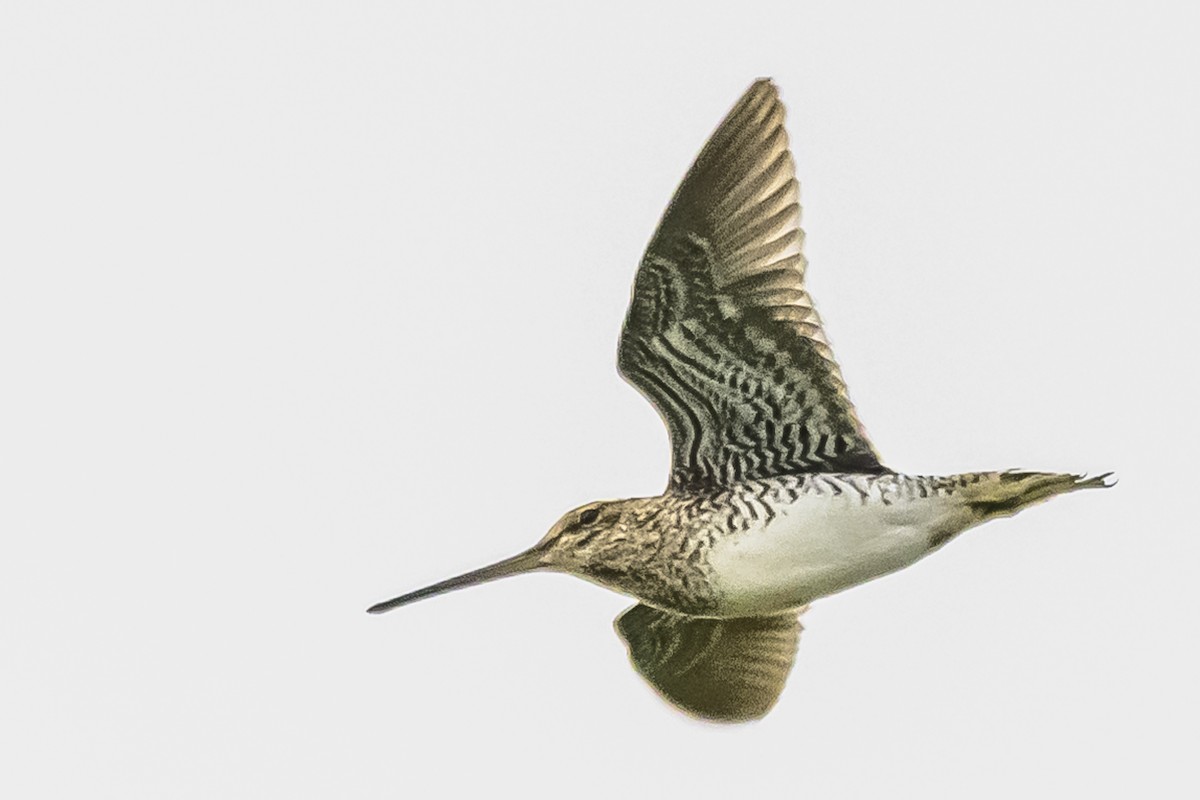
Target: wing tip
(762,91)
(762,95)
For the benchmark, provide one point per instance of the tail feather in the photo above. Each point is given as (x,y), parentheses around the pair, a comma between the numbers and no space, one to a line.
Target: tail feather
(1009,492)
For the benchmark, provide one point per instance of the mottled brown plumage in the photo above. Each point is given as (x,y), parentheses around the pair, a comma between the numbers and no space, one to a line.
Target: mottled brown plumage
(776,496)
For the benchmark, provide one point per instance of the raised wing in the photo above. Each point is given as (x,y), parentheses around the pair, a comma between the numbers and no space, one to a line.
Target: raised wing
(721,335)
(727,670)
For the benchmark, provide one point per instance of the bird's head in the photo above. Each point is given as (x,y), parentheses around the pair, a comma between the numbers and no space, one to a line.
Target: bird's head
(583,537)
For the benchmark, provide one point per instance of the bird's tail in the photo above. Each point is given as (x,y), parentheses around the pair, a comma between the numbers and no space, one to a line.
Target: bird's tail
(1002,494)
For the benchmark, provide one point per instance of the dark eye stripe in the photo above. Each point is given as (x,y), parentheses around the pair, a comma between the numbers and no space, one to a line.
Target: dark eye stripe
(588,516)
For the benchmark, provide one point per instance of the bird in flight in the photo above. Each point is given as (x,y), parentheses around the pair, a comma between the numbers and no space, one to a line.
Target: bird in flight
(776,496)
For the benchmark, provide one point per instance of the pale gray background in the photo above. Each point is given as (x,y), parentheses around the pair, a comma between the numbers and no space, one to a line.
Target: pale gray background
(306,304)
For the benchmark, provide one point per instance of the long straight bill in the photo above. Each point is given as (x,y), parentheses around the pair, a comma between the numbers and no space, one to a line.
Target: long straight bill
(522,562)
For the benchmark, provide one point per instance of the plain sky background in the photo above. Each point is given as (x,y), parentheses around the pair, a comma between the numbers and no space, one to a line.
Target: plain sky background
(307,304)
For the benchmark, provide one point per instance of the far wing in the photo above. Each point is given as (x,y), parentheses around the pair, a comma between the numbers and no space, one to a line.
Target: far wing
(726,670)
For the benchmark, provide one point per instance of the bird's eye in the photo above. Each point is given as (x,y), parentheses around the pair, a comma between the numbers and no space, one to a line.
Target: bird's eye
(588,516)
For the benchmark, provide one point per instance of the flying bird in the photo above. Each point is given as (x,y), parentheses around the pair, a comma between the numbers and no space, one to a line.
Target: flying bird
(776,496)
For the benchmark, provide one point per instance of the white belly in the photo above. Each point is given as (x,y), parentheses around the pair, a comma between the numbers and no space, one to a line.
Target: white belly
(820,544)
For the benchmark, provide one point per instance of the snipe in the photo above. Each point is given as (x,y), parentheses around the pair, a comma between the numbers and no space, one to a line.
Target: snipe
(776,496)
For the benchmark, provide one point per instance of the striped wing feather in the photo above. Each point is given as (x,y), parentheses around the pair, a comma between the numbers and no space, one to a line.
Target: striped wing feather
(721,334)
(726,670)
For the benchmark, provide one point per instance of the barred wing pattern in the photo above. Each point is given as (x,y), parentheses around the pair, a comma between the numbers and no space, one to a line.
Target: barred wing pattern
(726,670)
(721,335)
